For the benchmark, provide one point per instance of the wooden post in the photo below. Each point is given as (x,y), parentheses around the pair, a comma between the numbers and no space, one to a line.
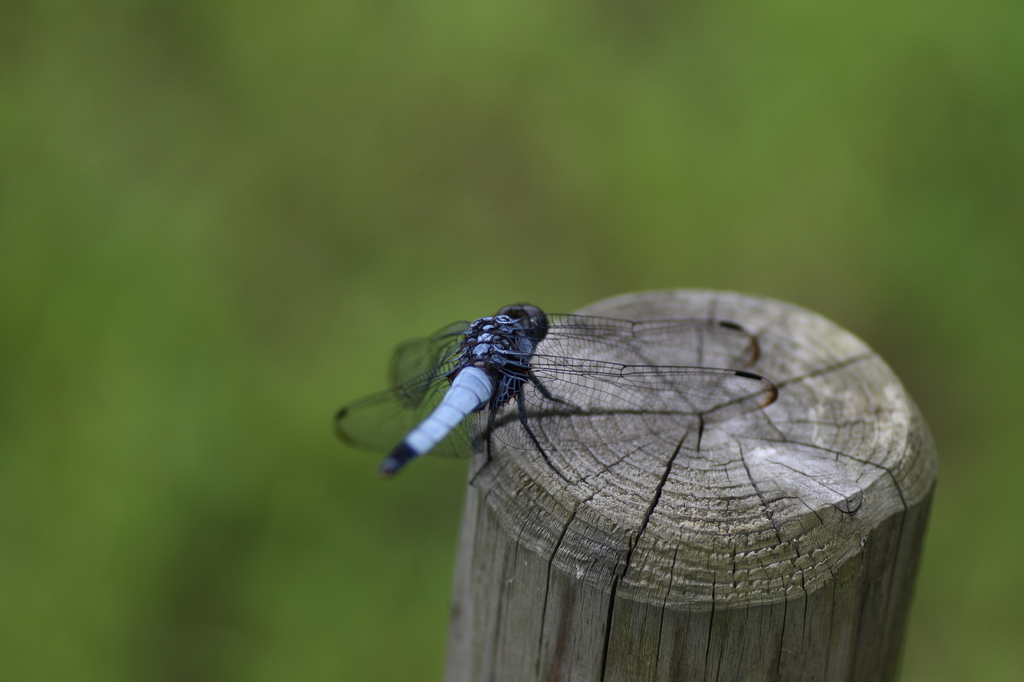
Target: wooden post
(782,547)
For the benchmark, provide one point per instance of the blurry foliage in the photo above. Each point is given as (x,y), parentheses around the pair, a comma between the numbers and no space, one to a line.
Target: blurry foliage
(217,217)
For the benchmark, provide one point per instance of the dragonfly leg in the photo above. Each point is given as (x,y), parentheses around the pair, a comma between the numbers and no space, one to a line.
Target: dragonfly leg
(487,446)
(539,385)
(522,419)
(472,479)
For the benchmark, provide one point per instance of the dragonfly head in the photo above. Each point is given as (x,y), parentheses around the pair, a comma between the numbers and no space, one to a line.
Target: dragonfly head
(530,317)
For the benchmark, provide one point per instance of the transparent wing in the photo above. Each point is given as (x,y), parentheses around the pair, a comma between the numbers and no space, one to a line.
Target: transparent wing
(429,355)
(676,343)
(583,392)
(380,422)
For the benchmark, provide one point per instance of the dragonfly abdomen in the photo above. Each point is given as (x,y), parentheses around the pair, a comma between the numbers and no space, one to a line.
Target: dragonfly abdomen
(471,388)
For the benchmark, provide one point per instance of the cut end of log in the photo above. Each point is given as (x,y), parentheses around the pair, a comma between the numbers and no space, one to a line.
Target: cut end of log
(748,510)
(700,536)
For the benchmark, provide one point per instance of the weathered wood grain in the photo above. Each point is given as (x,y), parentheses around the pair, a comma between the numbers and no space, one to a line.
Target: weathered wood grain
(778,545)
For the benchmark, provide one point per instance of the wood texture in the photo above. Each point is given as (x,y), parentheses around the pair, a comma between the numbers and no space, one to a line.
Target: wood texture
(778,545)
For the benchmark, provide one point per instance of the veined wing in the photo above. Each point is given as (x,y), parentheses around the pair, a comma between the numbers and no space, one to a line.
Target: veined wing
(587,389)
(381,421)
(677,343)
(427,357)
(594,386)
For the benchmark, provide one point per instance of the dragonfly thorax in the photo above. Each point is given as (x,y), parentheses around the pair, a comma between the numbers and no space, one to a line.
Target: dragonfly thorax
(498,344)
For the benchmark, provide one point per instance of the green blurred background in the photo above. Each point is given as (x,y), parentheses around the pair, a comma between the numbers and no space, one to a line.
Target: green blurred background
(217,218)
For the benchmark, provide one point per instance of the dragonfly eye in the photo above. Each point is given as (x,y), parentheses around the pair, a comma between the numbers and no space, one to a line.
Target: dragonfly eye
(532,319)
(518,312)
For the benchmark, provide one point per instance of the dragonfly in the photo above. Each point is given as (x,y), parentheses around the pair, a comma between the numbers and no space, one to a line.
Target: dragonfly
(533,380)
